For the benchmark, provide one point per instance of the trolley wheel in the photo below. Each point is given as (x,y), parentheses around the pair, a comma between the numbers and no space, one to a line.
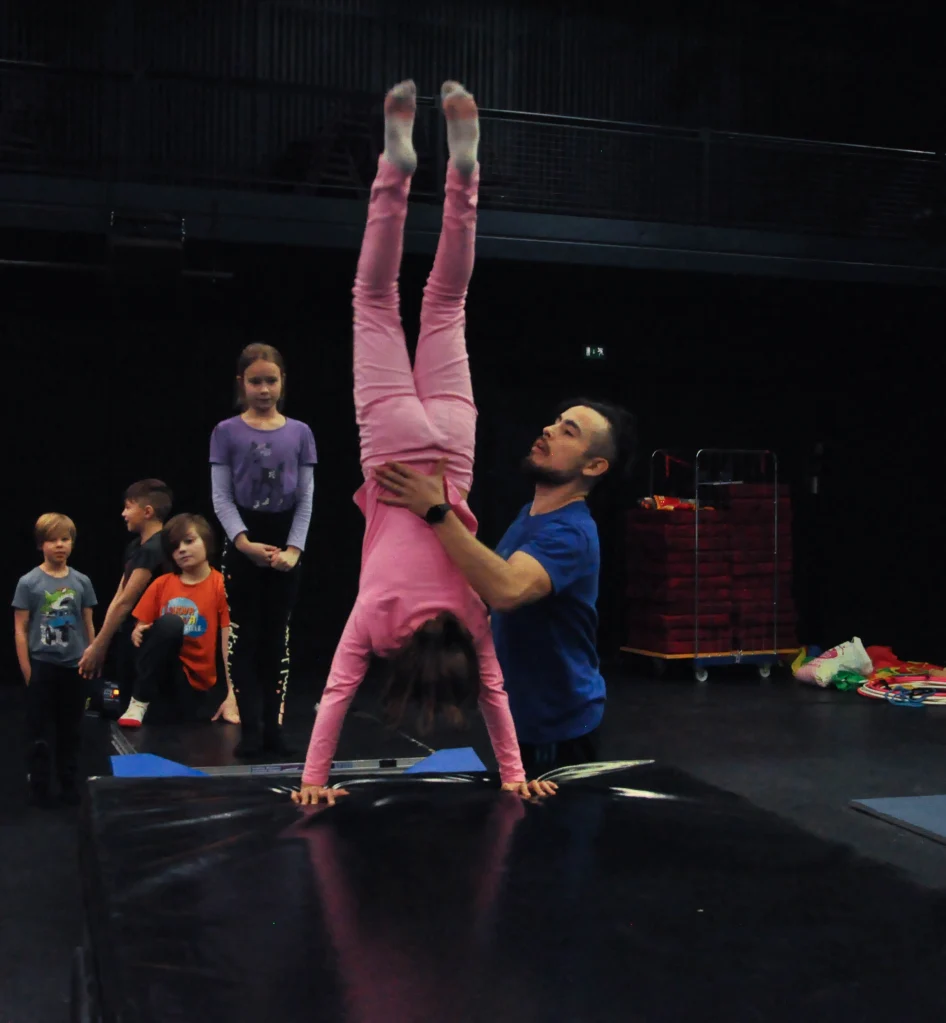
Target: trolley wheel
(701,674)
(765,670)
(658,666)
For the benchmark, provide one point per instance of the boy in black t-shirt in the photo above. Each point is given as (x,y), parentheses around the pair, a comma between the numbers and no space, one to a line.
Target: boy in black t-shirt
(147,507)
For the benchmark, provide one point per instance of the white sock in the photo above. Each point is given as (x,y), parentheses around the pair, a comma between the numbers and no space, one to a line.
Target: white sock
(400,105)
(463,126)
(135,711)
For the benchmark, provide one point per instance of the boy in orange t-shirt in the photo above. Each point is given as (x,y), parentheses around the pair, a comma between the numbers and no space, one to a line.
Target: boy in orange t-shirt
(179,619)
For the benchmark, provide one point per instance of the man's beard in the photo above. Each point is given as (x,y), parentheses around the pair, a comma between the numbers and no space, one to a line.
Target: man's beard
(546,477)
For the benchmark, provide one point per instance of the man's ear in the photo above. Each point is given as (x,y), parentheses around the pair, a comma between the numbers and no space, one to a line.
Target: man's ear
(596,467)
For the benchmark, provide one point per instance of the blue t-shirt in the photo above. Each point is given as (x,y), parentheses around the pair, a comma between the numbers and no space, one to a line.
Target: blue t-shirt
(548,650)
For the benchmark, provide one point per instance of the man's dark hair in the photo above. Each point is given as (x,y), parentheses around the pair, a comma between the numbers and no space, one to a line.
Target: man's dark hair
(618,444)
(154,492)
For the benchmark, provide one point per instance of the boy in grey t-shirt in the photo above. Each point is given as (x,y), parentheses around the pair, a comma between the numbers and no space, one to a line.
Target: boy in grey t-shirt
(52,626)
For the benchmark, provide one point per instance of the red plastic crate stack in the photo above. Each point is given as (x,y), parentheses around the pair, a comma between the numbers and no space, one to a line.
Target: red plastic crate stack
(661,591)
(754,614)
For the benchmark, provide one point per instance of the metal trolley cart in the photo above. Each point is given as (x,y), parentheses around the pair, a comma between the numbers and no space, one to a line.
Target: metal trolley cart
(711,573)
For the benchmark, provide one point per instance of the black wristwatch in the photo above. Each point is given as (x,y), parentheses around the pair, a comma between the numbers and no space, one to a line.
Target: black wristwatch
(437,514)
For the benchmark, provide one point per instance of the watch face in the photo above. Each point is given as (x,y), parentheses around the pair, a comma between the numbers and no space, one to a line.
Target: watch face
(437,514)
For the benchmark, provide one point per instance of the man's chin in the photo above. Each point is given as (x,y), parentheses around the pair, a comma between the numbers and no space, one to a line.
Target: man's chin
(538,474)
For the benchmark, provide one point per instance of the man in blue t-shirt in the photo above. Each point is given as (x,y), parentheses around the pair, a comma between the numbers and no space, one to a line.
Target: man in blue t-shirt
(541,583)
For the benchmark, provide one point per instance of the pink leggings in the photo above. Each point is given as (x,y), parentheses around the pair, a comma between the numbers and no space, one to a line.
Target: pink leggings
(426,413)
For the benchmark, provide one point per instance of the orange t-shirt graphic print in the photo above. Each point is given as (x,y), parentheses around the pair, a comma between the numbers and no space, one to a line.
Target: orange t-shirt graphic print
(203,608)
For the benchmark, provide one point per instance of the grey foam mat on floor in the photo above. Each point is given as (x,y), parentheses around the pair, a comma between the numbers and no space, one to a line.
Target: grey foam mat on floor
(925,815)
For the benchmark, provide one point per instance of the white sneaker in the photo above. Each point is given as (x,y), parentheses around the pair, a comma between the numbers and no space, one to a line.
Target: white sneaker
(135,715)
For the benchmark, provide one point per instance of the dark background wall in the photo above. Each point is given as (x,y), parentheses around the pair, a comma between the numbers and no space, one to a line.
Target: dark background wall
(234,85)
(111,385)
(115,377)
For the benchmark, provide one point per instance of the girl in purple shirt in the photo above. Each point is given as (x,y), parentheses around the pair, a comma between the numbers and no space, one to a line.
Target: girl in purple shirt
(262,474)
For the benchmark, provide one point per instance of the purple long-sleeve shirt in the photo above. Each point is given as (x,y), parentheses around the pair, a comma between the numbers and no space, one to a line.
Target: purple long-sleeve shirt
(263,471)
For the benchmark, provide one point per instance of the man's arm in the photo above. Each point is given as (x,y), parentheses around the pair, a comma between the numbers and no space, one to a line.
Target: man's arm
(21,624)
(503,585)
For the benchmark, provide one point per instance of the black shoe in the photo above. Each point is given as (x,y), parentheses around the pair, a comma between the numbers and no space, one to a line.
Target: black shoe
(40,798)
(276,745)
(69,795)
(248,746)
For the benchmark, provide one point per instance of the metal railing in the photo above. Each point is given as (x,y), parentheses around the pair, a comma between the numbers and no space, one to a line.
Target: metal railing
(188,130)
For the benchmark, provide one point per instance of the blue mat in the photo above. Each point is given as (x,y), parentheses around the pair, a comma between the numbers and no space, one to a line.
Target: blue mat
(926,815)
(147,765)
(448,761)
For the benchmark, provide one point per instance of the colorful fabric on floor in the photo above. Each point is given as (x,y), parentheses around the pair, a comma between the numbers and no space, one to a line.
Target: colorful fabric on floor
(847,681)
(885,660)
(904,683)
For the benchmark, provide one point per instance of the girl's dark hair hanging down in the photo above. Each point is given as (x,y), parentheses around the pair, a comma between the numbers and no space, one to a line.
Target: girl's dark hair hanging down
(438,671)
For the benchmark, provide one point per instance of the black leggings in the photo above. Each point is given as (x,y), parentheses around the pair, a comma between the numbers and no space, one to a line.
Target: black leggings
(261,602)
(123,659)
(55,704)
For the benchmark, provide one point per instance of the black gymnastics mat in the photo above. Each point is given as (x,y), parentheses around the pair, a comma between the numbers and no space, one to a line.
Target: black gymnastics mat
(642,895)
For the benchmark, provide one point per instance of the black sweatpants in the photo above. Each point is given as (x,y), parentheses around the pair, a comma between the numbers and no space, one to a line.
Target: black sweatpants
(160,678)
(122,660)
(540,759)
(55,704)
(261,602)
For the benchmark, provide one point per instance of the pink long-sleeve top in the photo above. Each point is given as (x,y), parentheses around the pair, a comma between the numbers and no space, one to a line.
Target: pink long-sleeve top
(406,579)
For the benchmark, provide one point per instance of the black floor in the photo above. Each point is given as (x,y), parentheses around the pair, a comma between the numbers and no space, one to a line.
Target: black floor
(799,752)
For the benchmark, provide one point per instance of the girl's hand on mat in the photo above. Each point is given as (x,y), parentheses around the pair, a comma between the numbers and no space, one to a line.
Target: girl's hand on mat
(405,487)
(285,561)
(261,554)
(527,789)
(312,795)
(139,633)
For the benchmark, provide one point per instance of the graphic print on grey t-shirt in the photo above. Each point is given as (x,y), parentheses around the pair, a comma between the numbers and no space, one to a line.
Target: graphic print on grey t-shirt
(59,617)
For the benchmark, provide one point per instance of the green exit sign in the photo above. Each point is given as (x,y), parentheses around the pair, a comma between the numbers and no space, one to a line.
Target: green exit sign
(594,352)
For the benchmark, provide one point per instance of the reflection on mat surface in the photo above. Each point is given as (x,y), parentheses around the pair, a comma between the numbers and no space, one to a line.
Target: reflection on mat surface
(218,900)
